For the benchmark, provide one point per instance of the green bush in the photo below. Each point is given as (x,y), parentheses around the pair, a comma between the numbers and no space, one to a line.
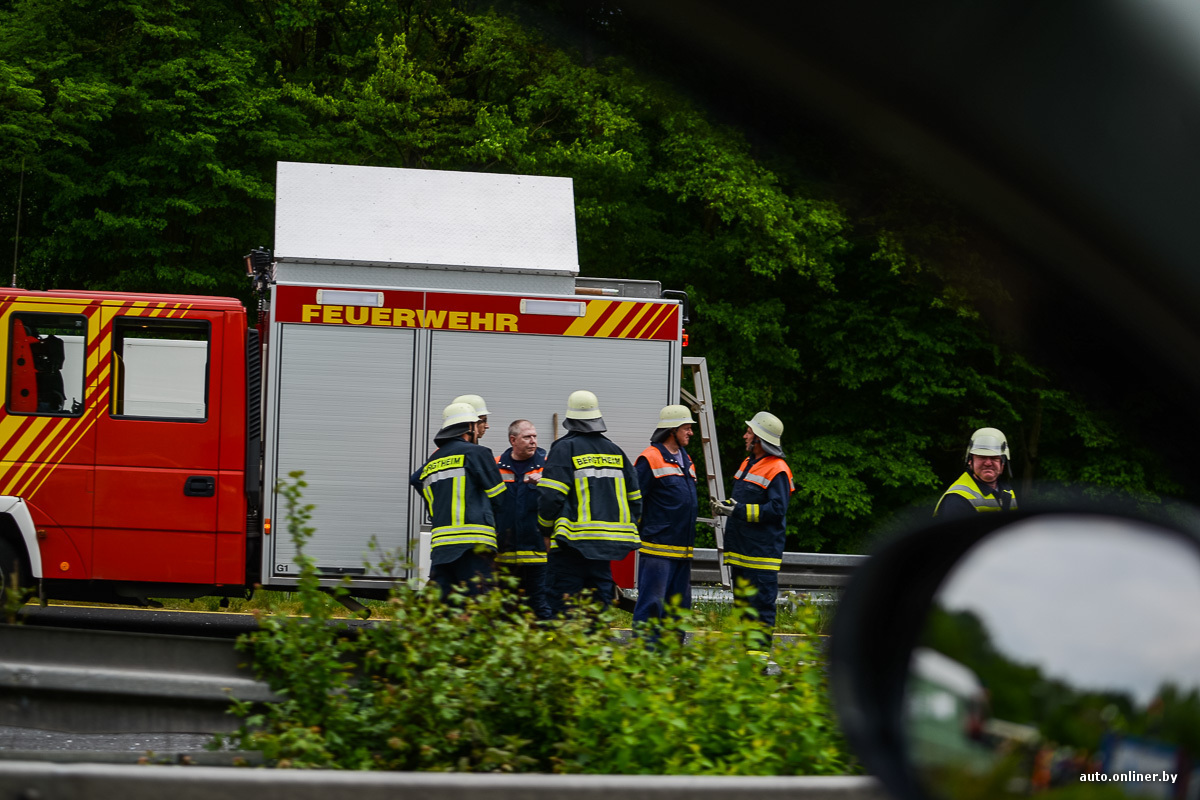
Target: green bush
(473,684)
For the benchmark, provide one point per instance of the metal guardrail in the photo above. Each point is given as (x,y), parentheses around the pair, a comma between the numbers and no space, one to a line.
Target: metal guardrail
(71,680)
(801,571)
(89,781)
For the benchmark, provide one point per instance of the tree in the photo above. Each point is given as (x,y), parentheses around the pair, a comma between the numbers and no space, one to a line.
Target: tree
(834,290)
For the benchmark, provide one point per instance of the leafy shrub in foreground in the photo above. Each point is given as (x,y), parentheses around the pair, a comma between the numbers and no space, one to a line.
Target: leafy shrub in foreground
(474,685)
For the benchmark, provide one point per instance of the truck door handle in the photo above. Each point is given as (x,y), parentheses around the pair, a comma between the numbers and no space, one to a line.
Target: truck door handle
(200,486)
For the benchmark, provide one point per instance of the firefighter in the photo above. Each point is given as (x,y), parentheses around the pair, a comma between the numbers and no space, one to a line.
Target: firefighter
(522,546)
(476,402)
(982,487)
(461,486)
(757,511)
(588,501)
(667,478)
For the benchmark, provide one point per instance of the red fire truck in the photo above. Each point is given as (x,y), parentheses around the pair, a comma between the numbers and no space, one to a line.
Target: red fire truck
(141,435)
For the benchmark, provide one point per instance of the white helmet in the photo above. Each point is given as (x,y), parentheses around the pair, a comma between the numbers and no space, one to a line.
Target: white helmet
(475,401)
(583,405)
(458,413)
(674,416)
(767,427)
(988,442)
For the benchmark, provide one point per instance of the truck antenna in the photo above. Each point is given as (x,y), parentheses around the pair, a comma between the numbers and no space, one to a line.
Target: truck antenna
(17,237)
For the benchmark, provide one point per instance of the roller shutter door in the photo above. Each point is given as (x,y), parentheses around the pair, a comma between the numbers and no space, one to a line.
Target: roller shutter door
(345,418)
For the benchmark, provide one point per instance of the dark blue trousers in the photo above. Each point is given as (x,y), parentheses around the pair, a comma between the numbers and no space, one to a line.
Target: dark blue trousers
(531,585)
(464,571)
(659,580)
(764,585)
(569,574)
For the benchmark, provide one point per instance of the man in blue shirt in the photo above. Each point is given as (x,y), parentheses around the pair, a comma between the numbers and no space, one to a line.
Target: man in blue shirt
(667,478)
(522,546)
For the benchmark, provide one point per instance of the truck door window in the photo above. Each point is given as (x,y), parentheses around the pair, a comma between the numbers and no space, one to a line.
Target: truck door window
(46,364)
(159,369)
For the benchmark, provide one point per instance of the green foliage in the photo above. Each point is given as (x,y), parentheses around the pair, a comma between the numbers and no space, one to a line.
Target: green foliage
(12,596)
(840,294)
(471,684)
(138,125)
(1173,716)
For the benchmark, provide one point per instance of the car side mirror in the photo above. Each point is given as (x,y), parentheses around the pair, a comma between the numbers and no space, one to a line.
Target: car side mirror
(1013,654)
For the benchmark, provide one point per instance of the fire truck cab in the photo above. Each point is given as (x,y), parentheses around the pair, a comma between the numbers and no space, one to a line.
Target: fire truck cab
(123,437)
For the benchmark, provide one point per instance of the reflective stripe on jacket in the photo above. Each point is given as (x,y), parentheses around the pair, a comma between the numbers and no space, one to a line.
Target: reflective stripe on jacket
(756,531)
(589,497)
(517,532)
(669,504)
(460,484)
(1002,498)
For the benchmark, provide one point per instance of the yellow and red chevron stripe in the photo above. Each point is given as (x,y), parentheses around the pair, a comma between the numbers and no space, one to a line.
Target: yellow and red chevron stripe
(622,319)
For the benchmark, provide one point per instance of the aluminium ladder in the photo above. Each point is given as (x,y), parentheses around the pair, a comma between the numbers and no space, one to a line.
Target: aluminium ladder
(701,405)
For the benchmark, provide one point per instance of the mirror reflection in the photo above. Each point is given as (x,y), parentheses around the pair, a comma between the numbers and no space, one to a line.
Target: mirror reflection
(1061,658)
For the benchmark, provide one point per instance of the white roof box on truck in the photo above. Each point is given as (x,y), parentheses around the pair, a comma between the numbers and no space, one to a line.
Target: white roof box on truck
(385,227)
